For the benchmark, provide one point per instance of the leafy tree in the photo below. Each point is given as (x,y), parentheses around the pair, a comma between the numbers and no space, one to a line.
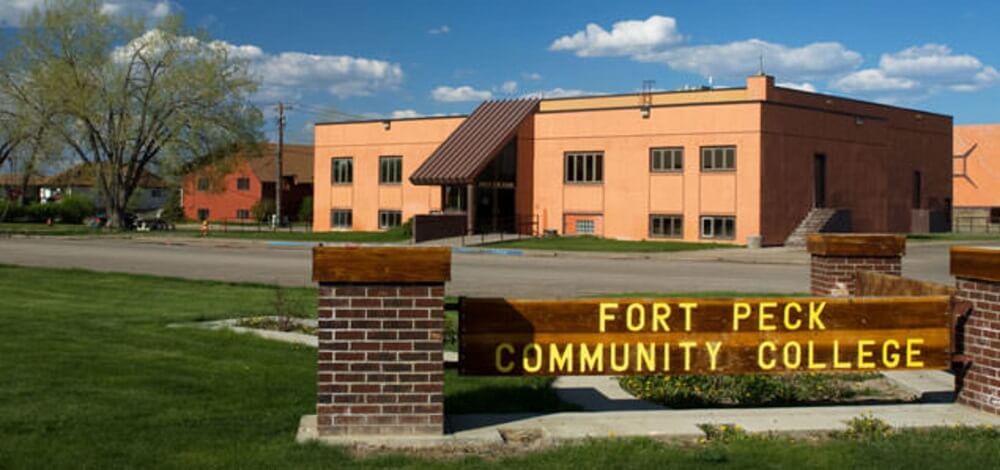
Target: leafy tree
(127,98)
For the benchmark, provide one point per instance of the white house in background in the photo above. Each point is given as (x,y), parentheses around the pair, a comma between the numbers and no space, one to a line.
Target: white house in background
(80,181)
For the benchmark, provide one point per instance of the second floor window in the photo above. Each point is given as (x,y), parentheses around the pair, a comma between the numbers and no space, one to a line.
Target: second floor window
(243,184)
(666,159)
(202,184)
(343,170)
(585,167)
(718,158)
(390,170)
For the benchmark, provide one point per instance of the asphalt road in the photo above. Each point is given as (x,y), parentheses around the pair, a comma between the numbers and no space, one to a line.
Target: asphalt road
(472,274)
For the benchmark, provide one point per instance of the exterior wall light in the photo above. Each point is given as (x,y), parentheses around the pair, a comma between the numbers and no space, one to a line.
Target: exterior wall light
(644,111)
(386,124)
(859,120)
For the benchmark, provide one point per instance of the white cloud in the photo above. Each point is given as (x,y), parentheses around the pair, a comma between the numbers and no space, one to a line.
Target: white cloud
(559,93)
(804,86)
(405,113)
(925,69)
(443,29)
(462,93)
(509,87)
(736,60)
(288,75)
(872,80)
(532,76)
(12,11)
(627,37)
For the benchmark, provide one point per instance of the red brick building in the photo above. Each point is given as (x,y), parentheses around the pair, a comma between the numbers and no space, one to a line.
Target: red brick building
(229,191)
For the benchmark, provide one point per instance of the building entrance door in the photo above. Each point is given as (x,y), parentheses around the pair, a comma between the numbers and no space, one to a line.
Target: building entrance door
(819,180)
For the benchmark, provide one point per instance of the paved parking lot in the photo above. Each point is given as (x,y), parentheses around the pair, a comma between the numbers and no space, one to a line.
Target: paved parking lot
(564,275)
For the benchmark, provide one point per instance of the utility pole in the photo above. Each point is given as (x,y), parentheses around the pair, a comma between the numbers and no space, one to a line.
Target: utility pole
(278,162)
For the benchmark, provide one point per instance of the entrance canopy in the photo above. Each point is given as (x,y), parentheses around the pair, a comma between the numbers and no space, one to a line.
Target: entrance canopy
(469,149)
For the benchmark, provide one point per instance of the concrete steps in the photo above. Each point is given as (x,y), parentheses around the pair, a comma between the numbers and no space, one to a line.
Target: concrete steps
(815,222)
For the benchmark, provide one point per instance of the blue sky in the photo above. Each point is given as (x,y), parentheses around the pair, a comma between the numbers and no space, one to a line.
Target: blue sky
(407,58)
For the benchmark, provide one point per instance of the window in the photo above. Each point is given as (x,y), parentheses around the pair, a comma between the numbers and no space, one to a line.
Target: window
(585,227)
(666,226)
(340,218)
(243,184)
(666,159)
(718,227)
(917,186)
(390,170)
(454,198)
(995,215)
(242,214)
(585,167)
(156,193)
(202,184)
(202,214)
(389,219)
(718,158)
(343,170)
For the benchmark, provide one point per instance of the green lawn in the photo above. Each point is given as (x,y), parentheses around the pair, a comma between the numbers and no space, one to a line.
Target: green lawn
(588,243)
(93,378)
(42,229)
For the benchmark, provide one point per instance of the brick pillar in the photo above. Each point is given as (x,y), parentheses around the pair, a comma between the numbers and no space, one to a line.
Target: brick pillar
(381,330)
(977,335)
(836,259)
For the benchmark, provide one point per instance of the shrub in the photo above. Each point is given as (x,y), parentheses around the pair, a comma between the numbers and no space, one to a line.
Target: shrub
(172,210)
(262,209)
(741,390)
(73,209)
(306,210)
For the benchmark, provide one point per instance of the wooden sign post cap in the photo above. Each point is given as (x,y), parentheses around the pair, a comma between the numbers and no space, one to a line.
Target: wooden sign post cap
(972,262)
(381,264)
(860,245)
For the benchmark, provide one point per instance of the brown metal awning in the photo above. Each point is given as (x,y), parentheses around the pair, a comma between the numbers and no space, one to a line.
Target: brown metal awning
(468,149)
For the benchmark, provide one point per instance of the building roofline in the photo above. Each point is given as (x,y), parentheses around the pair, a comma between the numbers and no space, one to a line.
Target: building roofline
(639,93)
(369,121)
(871,103)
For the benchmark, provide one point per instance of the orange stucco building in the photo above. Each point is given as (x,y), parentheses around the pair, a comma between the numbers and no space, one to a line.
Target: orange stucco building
(977,178)
(703,165)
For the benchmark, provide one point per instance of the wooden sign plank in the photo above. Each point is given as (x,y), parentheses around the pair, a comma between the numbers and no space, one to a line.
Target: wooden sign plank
(702,336)
(870,283)
(856,245)
(970,262)
(381,264)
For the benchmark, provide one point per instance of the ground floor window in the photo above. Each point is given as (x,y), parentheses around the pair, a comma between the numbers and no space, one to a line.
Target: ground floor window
(389,219)
(202,214)
(341,218)
(723,227)
(995,215)
(242,214)
(454,198)
(585,227)
(666,226)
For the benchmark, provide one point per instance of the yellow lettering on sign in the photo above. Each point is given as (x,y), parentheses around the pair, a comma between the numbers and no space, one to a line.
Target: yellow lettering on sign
(687,306)
(764,316)
(812,360)
(605,316)
(864,354)
(645,357)
(891,360)
(614,364)
(630,313)
(536,353)
(687,345)
(741,311)
(789,325)
(815,323)
(666,357)
(764,365)
(792,359)
(509,366)
(661,312)
(560,361)
(836,357)
(912,352)
(591,362)
(713,353)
